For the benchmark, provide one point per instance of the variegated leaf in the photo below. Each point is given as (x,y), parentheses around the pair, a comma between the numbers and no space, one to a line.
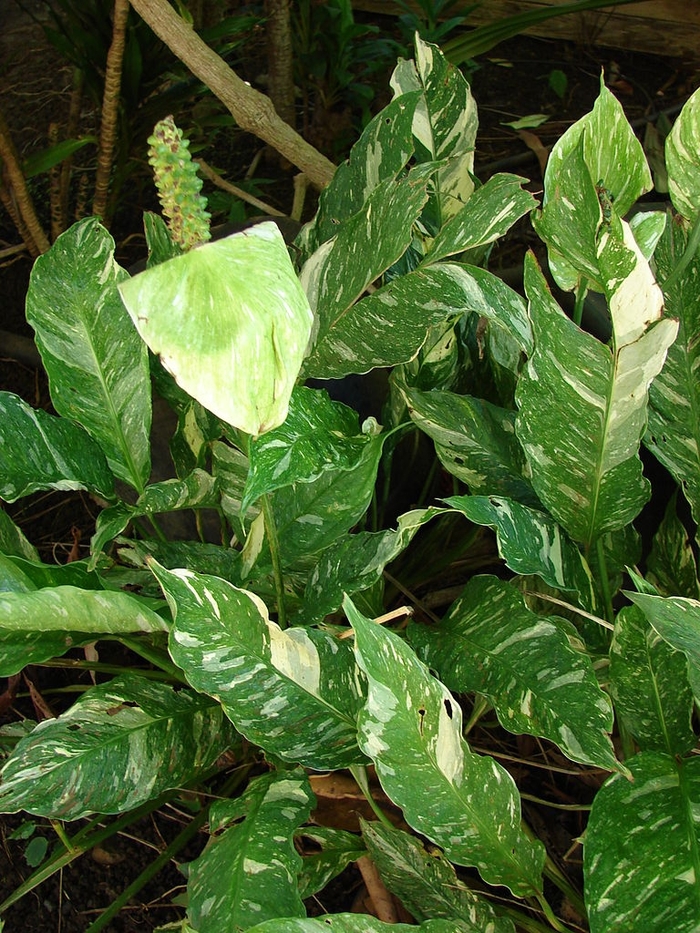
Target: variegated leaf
(649,686)
(491,643)
(212,311)
(475,441)
(671,565)
(582,408)
(597,163)
(13,540)
(96,362)
(120,744)
(489,213)
(427,884)
(641,863)
(334,850)
(383,149)
(682,145)
(411,727)
(52,453)
(338,273)
(248,872)
(445,123)
(312,516)
(555,557)
(71,608)
(355,923)
(673,434)
(294,692)
(356,562)
(318,435)
(677,620)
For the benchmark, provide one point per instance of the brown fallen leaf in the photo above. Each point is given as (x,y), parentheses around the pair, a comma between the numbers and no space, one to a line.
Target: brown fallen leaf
(533,141)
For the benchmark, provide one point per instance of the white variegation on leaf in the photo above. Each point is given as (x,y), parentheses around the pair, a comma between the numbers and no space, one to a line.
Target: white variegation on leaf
(490,643)
(294,692)
(641,864)
(230,322)
(356,923)
(582,407)
(427,884)
(120,744)
(682,147)
(411,727)
(649,685)
(445,121)
(97,365)
(674,397)
(530,542)
(677,620)
(54,453)
(248,872)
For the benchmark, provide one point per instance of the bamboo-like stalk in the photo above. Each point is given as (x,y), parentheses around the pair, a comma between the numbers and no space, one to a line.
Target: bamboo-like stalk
(13,190)
(110,108)
(252,111)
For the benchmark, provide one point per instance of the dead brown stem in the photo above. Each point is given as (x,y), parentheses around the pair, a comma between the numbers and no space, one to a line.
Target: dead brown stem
(252,110)
(14,191)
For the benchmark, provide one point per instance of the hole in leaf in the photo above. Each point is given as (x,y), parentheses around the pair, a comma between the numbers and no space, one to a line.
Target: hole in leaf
(448,708)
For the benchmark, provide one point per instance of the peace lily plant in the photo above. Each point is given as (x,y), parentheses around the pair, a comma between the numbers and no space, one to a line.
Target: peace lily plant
(265,649)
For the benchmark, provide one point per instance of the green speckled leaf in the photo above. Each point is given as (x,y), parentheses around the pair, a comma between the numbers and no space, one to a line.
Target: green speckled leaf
(248,872)
(475,441)
(671,565)
(682,146)
(12,539)
(355,923)
(490,643)
(427,884)
(334,850)
(677,620)
(531,542)
(230,322)
(96,362)
(600,147)
(318,435)
(42,451)
(381,152)
(411,727)
(444,126)
(337,274)
(356,562)
(582,407)
(649,686)
(312,516)
(71,608)
(120,744)
(488,214)
(641,863)
(673,434)
(293,692)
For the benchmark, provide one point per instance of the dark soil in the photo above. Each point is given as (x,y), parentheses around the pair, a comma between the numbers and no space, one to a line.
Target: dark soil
(34,87)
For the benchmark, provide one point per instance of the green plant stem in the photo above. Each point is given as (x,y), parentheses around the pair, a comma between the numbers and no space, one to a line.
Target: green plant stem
(359,772)
(688,253)
(179,842)
(523,921)
(555,875)
(604,581)
(549,914)
(273,542)
(581,293)
(481,704)
(80,843)
(153,655)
